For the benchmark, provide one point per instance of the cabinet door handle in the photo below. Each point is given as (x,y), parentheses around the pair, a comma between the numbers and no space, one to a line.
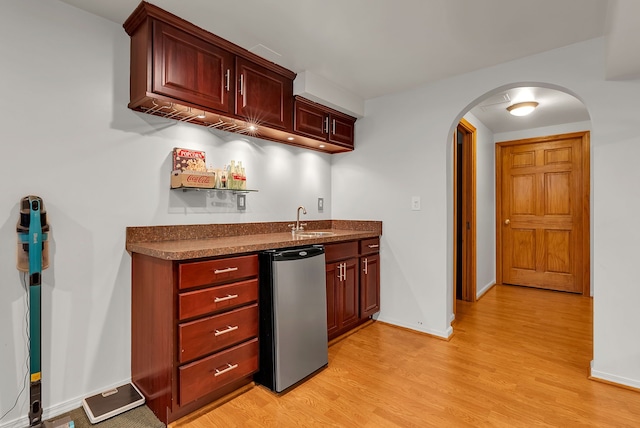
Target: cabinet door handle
(222,299)
(366,266)
(326,124)
(373,246)
(226,369)
(242,84)
(227,77)
(231,269)
(344,271)
(333,127)
(229,329)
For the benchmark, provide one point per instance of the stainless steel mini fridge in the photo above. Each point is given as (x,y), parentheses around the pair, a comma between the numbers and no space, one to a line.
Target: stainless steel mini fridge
(293,316)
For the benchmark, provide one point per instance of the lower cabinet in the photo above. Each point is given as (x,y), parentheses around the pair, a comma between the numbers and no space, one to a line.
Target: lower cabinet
(369,277)
(194,330)
(353,284)
(194,324)
(342,296)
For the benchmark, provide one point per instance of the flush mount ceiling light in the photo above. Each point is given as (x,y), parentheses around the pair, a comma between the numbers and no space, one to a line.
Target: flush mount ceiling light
(522,109)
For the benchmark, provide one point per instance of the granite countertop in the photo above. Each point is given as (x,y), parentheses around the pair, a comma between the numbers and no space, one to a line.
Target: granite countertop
(201,241)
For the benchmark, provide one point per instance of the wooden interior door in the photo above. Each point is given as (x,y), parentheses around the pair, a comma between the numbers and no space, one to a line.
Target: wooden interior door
(543,212)
(464,213)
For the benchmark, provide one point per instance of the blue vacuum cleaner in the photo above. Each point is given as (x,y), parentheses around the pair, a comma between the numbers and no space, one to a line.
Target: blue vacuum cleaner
(33,257)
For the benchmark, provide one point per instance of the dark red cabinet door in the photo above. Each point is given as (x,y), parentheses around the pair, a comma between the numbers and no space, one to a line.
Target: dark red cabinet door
(311,120)
(341,130)
(189,69)
(262,96)
(369,285)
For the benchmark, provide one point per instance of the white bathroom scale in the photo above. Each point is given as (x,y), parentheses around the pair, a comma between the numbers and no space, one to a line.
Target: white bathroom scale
(110,403)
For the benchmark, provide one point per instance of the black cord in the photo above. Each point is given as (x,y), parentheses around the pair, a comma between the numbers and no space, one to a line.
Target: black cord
(26,363)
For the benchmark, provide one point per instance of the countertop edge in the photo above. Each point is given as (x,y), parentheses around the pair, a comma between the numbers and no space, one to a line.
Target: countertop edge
(215,247)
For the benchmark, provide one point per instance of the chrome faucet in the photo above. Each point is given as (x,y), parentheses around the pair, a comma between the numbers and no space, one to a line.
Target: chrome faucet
(298,226)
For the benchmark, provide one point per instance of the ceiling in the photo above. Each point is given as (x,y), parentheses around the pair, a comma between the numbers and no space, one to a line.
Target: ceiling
(376,47)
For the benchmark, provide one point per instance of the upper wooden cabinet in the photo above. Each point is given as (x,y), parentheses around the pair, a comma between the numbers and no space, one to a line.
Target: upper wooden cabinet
(325,124)
(263,97)
(182,72)
(188,68)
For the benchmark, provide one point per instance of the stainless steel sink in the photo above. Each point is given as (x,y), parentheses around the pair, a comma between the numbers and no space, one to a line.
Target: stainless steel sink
(312,234)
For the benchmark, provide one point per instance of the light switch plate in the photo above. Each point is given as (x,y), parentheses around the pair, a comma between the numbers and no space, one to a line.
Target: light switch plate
(415,203)
(241,202)
(320,204)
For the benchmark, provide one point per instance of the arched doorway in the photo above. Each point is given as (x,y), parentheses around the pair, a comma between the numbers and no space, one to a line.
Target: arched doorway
(559,111)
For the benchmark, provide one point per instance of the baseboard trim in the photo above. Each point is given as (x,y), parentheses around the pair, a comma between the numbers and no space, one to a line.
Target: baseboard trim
(420,331)
(609,379)
(484,290)
(60,408)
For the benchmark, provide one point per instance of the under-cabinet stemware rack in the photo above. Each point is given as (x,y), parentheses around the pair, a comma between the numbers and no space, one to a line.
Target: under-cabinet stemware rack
(186,114)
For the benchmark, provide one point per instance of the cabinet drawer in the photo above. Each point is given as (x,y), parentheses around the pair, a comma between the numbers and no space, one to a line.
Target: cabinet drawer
(341,251)
(200,302)
(204,376)
(207,335)
(370,246)
(217,271)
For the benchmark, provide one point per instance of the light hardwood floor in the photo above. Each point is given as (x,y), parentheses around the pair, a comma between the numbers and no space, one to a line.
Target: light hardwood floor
(519,357)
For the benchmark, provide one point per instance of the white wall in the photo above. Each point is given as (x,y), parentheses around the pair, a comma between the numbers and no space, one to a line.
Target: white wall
(403,149)
(68,137)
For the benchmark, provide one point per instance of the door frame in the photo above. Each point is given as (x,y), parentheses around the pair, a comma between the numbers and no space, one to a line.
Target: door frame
(585,199)
(467,211)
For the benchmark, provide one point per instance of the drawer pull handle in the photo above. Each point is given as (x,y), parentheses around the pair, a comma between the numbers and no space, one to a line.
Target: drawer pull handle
(373,246)
(231,269)
(229,329)
(222,299)
(226,369)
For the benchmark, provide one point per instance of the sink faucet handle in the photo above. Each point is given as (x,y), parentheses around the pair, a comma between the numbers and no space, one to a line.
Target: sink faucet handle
(301,225)
(292,226)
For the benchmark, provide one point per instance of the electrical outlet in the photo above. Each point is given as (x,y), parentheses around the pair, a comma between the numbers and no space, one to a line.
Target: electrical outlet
(320,204)
(241,202)
(415,203)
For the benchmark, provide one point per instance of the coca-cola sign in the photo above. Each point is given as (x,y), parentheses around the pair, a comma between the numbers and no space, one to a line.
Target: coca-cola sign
(201,179)
(205,180)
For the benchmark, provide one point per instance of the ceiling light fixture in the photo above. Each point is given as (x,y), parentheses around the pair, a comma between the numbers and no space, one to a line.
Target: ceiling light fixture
(522,109)
(202,115)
